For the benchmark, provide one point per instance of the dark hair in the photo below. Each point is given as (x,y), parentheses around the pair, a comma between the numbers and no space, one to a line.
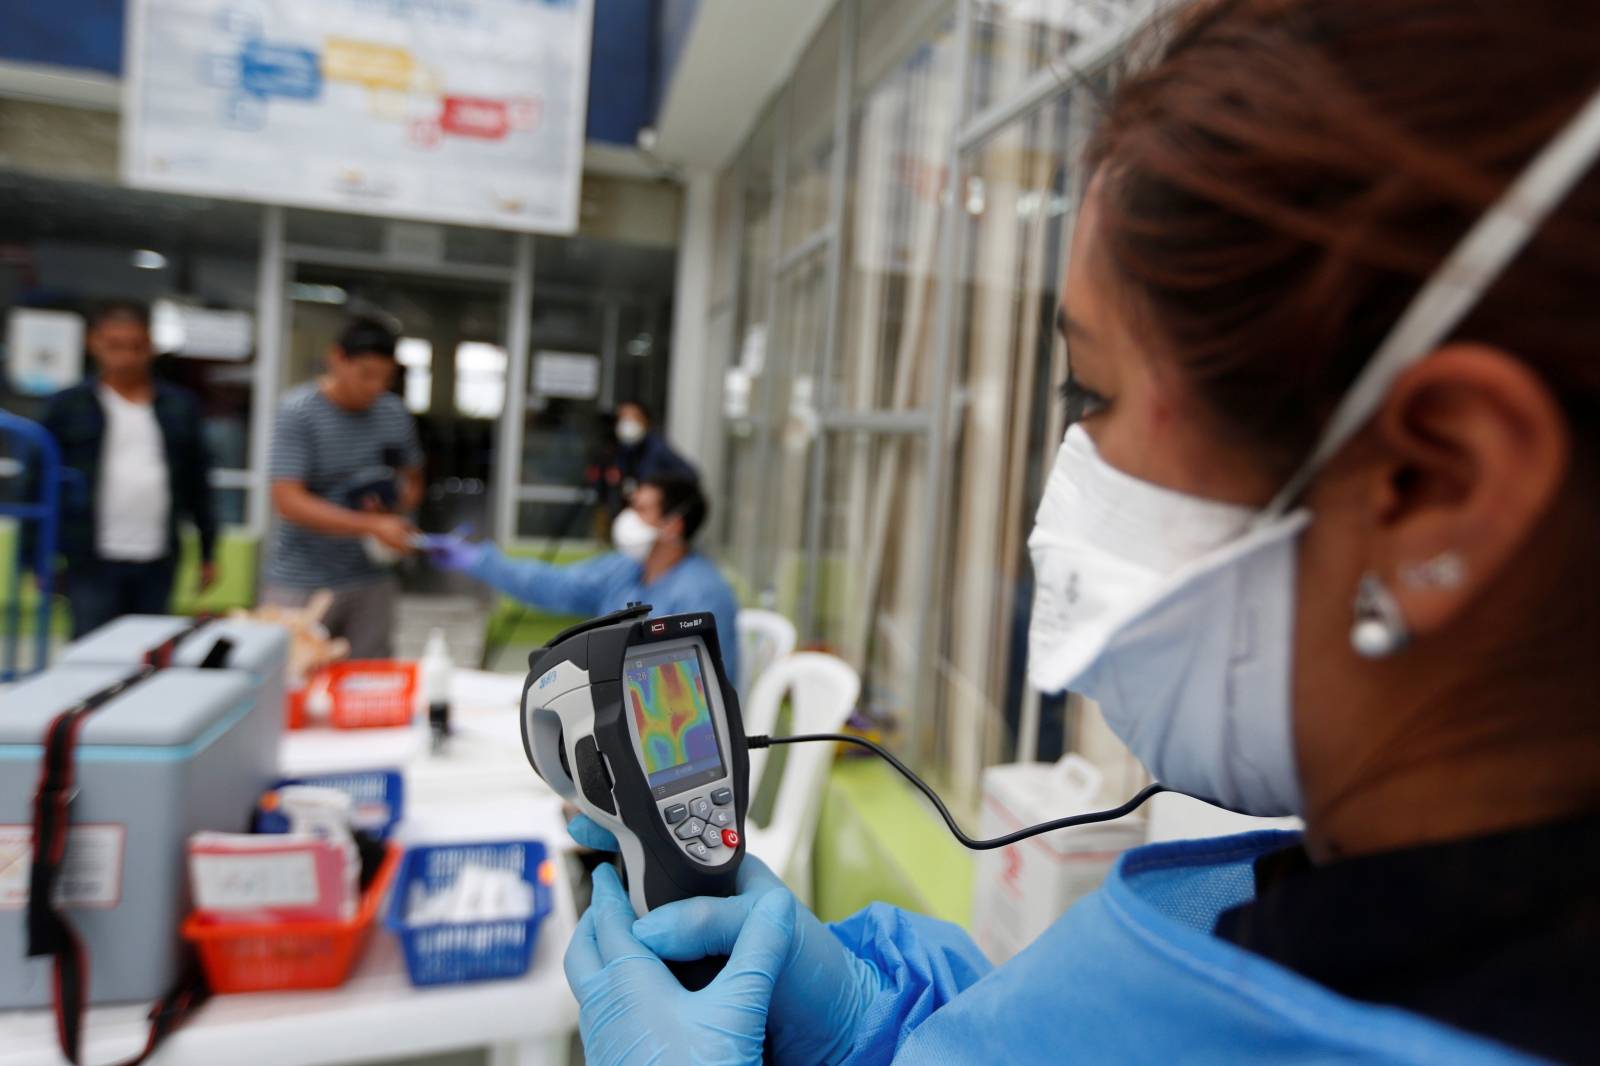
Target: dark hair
(1276,183)
(367,335)
(644,409)
(681,496)
(112,310)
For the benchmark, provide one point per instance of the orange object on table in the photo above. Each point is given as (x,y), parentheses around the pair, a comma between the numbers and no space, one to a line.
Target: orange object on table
(364,693)
(289,955)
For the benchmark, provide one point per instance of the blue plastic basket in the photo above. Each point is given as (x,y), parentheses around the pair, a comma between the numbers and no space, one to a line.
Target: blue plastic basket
(378,795)
(442,953)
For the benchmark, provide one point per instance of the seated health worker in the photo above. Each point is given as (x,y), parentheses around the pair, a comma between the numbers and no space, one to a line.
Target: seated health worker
(655,563)
(1323,539)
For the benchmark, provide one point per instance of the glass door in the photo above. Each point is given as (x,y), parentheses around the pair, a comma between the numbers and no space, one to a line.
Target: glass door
(453,369)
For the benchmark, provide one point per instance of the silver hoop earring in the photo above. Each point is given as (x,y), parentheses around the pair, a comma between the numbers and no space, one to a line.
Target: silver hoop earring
(1379,630)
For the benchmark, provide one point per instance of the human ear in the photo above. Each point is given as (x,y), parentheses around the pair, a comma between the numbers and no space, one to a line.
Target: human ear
(1474,449)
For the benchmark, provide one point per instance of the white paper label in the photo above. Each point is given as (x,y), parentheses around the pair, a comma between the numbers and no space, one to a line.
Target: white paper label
(248,882)
(575,375)
(202,333)
(44,350)
(91,872)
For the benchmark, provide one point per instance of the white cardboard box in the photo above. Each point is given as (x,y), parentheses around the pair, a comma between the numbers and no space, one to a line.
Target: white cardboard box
(1020,890)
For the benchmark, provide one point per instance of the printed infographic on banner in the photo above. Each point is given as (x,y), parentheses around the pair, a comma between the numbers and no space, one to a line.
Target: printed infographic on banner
(467,111)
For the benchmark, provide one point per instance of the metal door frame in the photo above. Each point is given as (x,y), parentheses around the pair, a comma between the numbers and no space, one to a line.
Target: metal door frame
(273,315)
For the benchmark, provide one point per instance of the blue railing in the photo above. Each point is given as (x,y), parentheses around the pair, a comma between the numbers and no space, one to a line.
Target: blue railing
(37,451)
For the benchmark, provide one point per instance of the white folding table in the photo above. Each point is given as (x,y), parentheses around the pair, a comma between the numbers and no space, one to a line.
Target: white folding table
(479,788)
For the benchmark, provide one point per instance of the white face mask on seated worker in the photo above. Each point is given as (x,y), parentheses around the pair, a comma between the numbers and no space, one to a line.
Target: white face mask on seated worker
(632,536)
(1175,613)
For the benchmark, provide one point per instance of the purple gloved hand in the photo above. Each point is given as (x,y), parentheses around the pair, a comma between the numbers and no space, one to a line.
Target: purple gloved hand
(453,551)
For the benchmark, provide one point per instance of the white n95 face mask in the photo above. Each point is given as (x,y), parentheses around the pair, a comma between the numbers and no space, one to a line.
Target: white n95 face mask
(632,535)
(1176,613)
(1102,544)
(630,432)
(1167,609)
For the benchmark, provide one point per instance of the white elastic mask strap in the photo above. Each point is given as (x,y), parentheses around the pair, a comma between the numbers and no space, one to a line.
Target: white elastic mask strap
(1473,266)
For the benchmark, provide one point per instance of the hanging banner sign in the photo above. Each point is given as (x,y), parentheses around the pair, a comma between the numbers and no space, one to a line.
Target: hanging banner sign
(465,111)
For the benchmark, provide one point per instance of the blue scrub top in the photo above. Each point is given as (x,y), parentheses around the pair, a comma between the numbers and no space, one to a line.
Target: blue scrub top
(610,582)
(1131,973)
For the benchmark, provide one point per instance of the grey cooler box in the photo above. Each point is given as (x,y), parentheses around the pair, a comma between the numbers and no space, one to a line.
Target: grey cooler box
(167,758)
(258,647)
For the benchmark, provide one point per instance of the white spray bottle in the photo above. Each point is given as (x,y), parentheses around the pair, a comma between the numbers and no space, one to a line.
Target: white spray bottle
(437,674)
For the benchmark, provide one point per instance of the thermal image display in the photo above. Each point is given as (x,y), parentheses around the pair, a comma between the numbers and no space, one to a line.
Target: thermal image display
(672,715)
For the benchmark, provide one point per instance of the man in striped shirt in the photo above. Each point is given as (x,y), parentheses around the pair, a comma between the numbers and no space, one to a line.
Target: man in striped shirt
(346,470)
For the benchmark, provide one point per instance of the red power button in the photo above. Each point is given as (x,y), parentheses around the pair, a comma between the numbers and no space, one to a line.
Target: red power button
(730,838)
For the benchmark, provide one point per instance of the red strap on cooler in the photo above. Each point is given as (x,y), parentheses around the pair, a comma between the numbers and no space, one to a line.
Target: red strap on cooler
(49,932)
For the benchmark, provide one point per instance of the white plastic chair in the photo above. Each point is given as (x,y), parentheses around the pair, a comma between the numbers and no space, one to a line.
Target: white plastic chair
(764,638)
(822,692)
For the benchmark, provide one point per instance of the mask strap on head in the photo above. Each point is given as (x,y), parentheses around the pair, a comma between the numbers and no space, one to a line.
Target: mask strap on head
(1471,269)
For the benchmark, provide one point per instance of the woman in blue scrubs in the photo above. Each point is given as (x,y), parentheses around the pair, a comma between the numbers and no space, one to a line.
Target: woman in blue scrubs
(1323,539)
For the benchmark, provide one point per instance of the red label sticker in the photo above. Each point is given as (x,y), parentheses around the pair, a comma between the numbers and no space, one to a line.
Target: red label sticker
(474,116)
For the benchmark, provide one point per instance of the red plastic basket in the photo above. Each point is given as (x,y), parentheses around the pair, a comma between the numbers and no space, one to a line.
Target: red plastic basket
(288,955)
(366,694)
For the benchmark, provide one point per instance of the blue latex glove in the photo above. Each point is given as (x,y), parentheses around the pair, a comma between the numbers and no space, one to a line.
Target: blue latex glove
(821,990)
(452,551)
(588,834)
(631,1009)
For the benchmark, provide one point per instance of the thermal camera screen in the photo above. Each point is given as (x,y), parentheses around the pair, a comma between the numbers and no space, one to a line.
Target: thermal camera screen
(671,710)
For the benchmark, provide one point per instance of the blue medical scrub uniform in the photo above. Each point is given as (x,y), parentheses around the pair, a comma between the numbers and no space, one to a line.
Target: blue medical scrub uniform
(1130,974)
(610,582)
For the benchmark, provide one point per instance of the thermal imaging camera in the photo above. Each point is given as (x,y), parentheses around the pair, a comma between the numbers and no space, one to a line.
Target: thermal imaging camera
(632,719)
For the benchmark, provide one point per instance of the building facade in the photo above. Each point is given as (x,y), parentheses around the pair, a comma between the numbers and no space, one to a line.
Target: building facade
(887,247)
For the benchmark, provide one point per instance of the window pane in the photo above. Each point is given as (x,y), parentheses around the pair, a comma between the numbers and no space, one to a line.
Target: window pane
(1012,40)
(72,244)
(739,519)
(725,253)
(415,357)
(797,347)
(643,356)
(871,563)
(480,379)
(766,541)
(903,133)
(224,389)
(599,334)
(810,99)
(561,434)
(889,30)
(230,505)
(1008,360)
(755,261)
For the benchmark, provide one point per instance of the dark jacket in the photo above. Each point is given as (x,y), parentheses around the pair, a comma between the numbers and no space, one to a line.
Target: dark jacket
(76,420)
(651,458)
